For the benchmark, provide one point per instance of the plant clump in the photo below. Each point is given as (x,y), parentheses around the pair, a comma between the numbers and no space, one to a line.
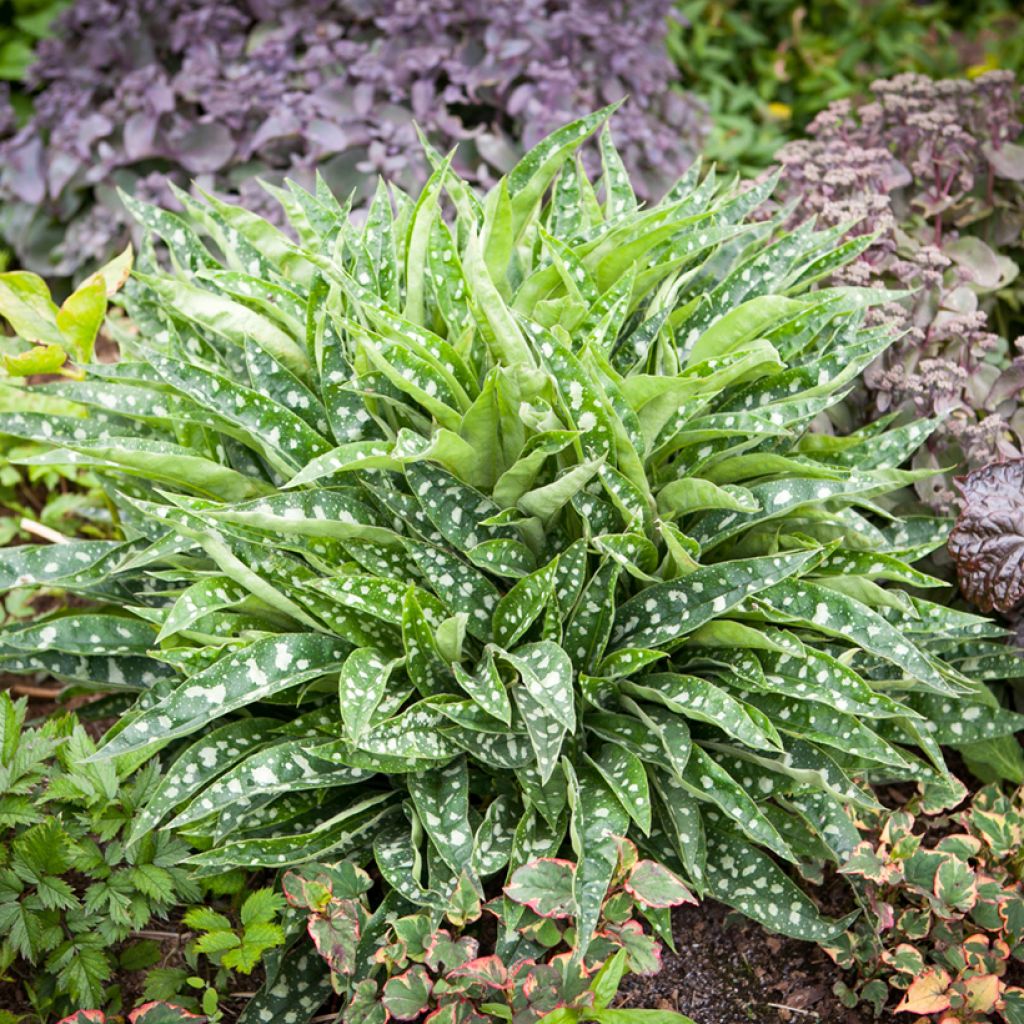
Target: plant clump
(492,528)
(941,922)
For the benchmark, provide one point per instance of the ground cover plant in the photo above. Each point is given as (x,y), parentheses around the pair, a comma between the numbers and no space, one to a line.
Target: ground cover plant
(943,913)
(492,528)
(934,170)
(133,94)
(426,965)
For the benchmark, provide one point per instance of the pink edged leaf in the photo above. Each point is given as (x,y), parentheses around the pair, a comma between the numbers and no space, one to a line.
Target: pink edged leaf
(336,935)
(643,950)
(406,996)
(927,993)
(444,951)
(365,1006)
(485,970)
(987,542)
(161,1013)
(654,885)
(865,862)
(955,886)
(461,1011)
(85,1017)
(536,991)
(545,886)
(306,893)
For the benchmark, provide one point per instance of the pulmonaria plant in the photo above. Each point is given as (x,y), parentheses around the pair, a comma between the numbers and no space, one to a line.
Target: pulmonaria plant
(128,94)
(933,170)
(451,543)
(429,966)
(941,922)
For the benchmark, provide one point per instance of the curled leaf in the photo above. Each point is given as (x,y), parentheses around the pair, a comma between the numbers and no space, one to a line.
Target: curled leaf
(987,542)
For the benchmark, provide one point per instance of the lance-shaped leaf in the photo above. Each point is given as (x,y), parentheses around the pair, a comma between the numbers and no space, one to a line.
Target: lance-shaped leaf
(441,798)
(352,828)
(424,664)
(264,668)
(596,823)
(276,768)
(547,675)
(30,565)
(709,782)
(744,878)
(845,618)
(200,599)
(703,701)
(519,608)
(664,612)
(486,688)
(361,685)
(197,765)
(90,634)
(294,995)
(492,844)
(815,722)
(625,774)
(587,632)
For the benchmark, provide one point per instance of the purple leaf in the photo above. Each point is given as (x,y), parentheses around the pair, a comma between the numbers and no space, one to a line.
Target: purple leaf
(987,542)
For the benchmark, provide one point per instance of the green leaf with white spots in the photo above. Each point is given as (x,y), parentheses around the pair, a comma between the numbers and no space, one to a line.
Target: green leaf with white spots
(625,774)
(277,768)
(262,669)
(709,782)
(200,599)
(666,611)
(842,617)
(441,798)
(361,685)
(486,688)
(702,701)
(744,878)
(597,819)
(198,765)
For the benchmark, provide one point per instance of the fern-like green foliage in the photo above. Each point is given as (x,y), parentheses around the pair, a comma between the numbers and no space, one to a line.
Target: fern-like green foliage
(70,890)
(491,525)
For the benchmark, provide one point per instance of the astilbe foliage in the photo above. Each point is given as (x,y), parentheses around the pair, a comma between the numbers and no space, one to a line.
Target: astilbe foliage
(942,918)
(70,891)
(456,543)
(932,169)
(129,92)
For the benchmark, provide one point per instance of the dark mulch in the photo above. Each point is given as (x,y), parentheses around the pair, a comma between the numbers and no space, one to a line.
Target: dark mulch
(729,970)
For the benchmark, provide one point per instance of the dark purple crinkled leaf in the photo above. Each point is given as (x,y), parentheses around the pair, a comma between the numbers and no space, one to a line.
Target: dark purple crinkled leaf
(987,542)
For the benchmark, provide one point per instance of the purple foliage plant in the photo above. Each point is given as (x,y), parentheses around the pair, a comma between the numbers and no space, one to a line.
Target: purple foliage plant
(131,92)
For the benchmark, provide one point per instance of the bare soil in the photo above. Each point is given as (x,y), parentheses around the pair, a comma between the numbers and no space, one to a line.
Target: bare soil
(729,970)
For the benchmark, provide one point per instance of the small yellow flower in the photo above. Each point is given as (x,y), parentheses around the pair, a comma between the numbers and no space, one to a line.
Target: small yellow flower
(780,111)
